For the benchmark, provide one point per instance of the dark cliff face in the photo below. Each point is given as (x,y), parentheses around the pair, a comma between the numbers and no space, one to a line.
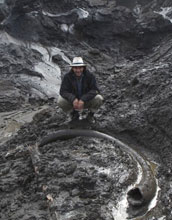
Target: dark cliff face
(105,20)
(128,46)
(115,24)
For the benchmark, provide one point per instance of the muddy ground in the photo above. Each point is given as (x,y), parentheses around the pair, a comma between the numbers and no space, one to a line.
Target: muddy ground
(129,49)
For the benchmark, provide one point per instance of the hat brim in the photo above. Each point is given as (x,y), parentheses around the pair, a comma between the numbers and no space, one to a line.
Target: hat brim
(77,64)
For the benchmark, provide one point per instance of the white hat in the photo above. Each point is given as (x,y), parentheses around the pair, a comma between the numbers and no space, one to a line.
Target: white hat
(78,61)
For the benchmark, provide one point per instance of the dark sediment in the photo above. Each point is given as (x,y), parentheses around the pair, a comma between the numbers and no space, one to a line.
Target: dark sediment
(130,53)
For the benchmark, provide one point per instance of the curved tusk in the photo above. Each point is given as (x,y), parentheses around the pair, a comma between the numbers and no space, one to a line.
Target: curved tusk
(144,191)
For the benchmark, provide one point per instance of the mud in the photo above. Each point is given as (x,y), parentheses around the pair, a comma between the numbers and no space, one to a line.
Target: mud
(69,179)
(138,196)
(12,121)
(94,160)
(128,47)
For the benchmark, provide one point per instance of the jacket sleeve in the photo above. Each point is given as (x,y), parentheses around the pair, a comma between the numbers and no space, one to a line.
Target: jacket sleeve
(93,90)
(66,90)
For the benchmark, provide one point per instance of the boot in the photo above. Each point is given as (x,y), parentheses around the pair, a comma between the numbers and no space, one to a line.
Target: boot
(74,115)
(91,118)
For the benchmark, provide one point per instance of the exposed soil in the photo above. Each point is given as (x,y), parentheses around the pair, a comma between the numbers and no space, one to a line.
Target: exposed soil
(129,49)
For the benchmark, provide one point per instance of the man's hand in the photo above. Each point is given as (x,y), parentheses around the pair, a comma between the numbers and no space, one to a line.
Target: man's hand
(75,104)
(80,105)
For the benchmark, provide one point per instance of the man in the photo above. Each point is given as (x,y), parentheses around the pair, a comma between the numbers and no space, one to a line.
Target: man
(79,91)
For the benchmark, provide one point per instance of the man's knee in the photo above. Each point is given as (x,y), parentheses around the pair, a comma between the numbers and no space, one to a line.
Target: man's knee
(64,104)
(98,99)
(60,101)
(95,103)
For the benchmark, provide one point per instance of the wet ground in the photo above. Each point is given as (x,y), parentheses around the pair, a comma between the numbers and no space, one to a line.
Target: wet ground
(80,178)
(70,179)
(129,49)
(12,121)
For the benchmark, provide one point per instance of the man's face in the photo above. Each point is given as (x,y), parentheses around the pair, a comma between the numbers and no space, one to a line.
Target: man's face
(78,70)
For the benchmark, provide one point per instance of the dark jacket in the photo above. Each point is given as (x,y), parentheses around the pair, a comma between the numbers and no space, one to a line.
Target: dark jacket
(69,89)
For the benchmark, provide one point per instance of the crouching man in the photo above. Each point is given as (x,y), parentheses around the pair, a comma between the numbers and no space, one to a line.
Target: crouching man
(79,91)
